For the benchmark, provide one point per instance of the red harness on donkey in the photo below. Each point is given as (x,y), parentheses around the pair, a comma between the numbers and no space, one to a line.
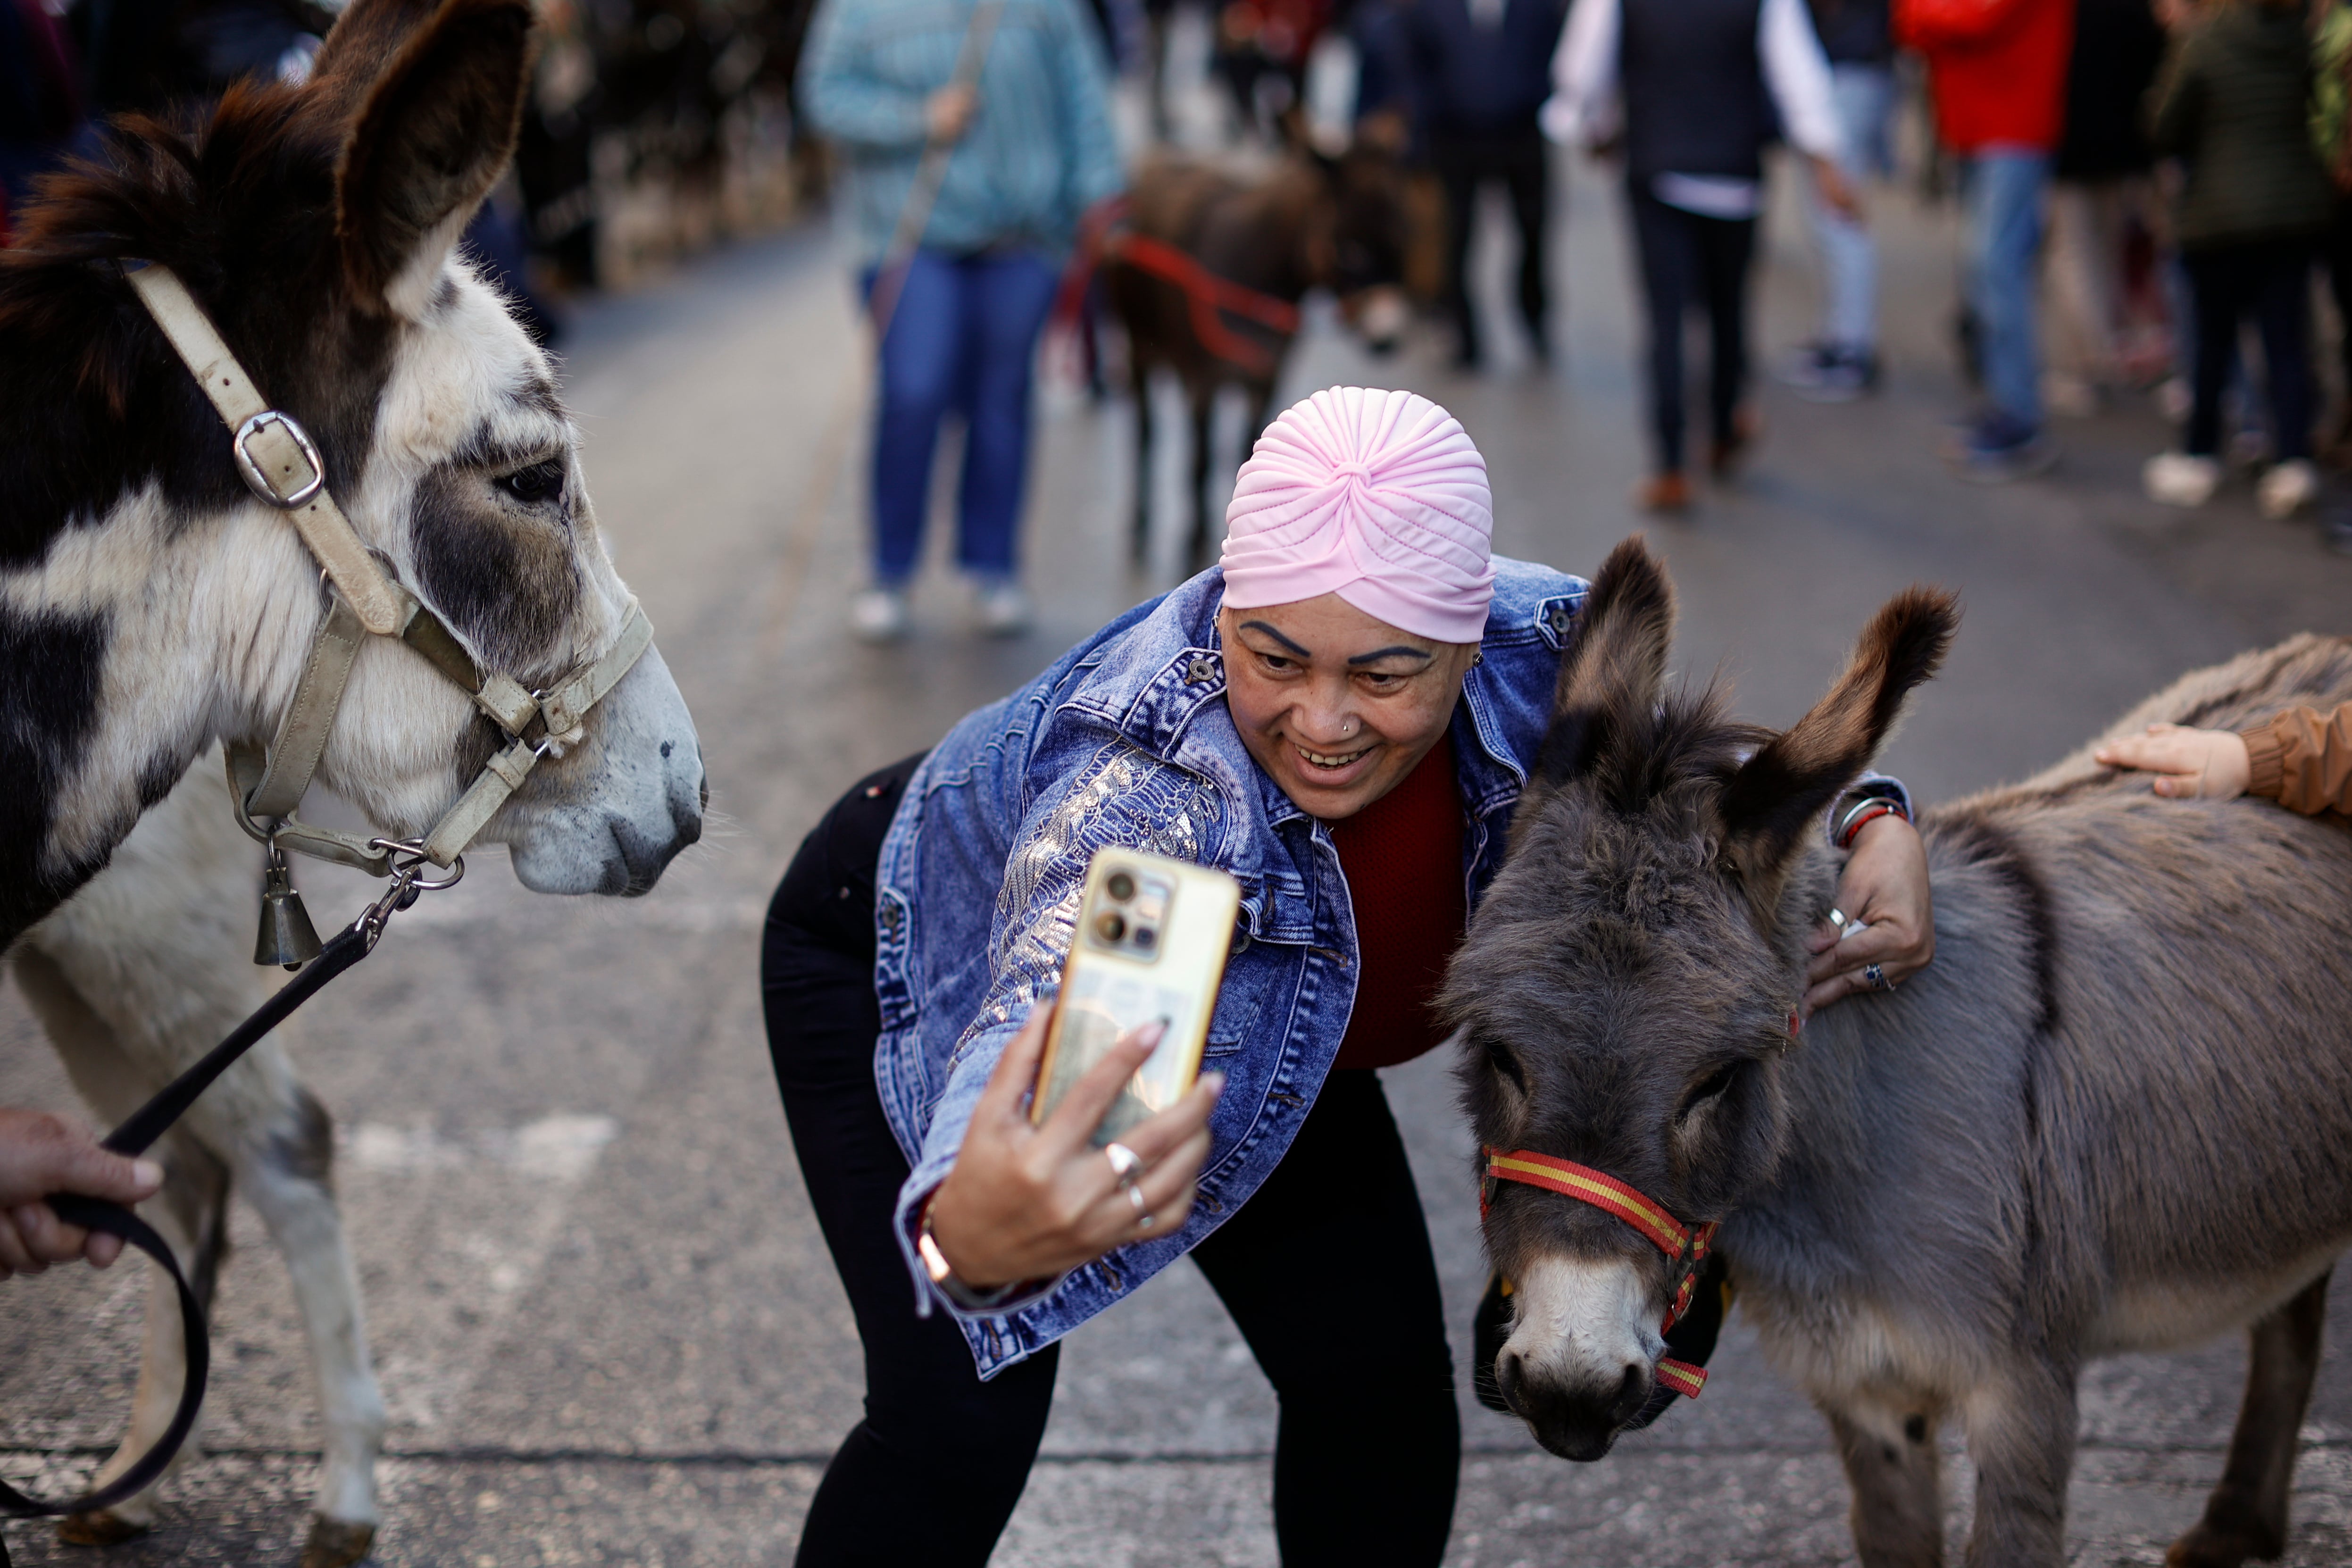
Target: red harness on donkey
(1208,298)
(1685,1246)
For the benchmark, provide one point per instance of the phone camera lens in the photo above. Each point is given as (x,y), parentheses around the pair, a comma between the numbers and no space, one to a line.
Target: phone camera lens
(1146,938)
(1111,927)
(1120,885)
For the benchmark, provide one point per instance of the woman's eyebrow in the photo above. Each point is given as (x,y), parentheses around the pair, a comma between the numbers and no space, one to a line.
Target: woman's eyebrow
(1420,653)
(1262,626)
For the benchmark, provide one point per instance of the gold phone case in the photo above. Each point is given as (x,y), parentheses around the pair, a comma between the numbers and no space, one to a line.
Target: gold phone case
(1152,939)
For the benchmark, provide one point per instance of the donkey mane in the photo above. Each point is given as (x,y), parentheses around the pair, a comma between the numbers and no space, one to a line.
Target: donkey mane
(1629,757)
(242,208)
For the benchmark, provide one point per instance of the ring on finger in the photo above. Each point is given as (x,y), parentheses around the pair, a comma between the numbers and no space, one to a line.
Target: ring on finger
(1876,978)
(1125,1163)
(1846,924)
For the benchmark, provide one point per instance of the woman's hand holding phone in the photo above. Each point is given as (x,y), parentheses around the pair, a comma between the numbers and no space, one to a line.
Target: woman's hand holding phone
(1026,1202)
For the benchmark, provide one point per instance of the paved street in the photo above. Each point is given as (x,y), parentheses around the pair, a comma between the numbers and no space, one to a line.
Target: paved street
(605,1325)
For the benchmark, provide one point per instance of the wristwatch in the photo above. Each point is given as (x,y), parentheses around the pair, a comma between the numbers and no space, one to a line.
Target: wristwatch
(943,1279)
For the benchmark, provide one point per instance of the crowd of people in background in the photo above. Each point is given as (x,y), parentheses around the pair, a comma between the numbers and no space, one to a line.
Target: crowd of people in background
(2152,192)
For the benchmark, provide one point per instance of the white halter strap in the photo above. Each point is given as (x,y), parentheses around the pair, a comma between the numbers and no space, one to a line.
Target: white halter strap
(282,465)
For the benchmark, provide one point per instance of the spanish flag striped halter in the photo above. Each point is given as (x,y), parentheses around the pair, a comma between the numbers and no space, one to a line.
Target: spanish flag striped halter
(1685,1246)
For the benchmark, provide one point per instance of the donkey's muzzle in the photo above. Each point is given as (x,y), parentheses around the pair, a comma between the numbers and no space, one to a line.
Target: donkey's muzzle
(1574,1416)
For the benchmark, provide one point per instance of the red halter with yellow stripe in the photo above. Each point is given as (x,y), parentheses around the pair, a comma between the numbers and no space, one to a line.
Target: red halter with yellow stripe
(1685,1246)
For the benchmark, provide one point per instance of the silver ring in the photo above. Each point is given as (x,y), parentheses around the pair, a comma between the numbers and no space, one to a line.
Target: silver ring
(1125,1163)
(1876,978)
(1135,1196)
(1846,924)
(1143,1223)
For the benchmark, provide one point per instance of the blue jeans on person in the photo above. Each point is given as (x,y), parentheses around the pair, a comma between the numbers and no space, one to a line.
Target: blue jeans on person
(1863,95)
(962,337)
(2005,186)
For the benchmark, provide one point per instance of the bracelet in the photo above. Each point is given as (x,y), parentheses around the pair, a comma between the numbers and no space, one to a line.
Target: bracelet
(1860,814)
(943,1279)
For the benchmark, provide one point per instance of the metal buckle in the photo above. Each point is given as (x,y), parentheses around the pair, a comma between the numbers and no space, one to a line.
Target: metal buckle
(260,483)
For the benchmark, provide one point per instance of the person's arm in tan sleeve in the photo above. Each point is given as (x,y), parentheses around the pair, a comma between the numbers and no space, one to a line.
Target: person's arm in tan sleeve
(2302,759)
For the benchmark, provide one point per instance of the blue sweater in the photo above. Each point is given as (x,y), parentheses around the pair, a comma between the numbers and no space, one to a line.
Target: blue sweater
(1038,154)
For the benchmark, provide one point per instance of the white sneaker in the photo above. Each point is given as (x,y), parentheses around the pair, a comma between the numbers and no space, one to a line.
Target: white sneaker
(2176,479)
(879,615)
(2288,488)
(1000,608)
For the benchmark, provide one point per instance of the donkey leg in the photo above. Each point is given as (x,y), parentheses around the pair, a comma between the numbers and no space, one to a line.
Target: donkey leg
(190,1212)
(2021,1432)
(1204,411)
(1139,540)
(285,1165)
(1891,1463)
(2246,1515)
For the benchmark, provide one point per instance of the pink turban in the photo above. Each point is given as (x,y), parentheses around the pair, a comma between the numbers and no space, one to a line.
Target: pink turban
(1378,497)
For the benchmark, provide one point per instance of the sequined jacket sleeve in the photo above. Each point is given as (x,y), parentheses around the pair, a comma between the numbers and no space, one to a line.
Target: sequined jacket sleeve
(1107,793)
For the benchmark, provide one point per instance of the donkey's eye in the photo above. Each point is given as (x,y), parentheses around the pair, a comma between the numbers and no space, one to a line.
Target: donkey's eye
(1500,1058)
(1709,1088)
(539,482)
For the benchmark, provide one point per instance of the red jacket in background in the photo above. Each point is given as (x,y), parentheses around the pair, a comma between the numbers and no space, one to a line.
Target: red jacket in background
(1997,68)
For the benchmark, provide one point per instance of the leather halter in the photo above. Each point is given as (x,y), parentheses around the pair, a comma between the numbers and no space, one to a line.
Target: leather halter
(1685,1246)
(282,465)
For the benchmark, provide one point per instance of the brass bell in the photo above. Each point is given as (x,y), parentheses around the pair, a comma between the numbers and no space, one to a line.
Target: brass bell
(287,936)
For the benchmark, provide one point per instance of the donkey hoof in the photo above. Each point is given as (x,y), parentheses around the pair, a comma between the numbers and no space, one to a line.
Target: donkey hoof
(336,1543)
(2208,1545)
(103,1528)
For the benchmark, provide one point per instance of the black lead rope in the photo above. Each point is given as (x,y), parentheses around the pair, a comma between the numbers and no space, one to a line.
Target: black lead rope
(135,1136)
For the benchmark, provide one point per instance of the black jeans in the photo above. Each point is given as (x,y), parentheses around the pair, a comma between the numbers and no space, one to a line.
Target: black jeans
(1326,1270)
(2271,281)
(1688,259)
(1466,162)
(2336,248)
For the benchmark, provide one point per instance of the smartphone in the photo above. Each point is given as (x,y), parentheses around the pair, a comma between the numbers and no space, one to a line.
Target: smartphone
(1152,940)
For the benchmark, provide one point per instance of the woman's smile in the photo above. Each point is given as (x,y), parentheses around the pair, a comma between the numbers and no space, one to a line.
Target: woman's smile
(1336,704)
(1331,762)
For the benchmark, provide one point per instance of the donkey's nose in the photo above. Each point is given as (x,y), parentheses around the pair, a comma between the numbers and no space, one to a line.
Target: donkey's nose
(1576,1418)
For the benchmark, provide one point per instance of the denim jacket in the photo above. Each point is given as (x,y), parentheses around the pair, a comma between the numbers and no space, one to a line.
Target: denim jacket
(1126,739)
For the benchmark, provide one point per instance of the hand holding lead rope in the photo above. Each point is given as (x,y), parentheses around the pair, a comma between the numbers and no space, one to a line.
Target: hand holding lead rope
(409,863)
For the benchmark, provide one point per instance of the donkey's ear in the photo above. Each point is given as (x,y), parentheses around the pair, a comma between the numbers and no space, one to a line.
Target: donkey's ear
(359,45)
(1780,792)
(1615,664)
(432,132)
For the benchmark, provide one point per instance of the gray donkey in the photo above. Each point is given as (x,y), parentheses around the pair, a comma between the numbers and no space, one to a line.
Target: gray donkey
(2113,1114)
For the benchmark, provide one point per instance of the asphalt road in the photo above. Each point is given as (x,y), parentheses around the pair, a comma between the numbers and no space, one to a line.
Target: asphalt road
(605,1325)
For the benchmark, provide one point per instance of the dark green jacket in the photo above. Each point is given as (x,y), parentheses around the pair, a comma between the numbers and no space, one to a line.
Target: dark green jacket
(2233,104)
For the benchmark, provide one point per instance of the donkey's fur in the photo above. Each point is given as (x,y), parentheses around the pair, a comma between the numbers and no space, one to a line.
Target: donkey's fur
(150,607)
(2109,1117)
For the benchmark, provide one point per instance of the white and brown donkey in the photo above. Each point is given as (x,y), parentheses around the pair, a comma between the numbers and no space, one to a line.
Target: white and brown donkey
(152,607)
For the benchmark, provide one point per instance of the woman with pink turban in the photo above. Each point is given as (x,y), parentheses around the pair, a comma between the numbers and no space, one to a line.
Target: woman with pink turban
(1341,714)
